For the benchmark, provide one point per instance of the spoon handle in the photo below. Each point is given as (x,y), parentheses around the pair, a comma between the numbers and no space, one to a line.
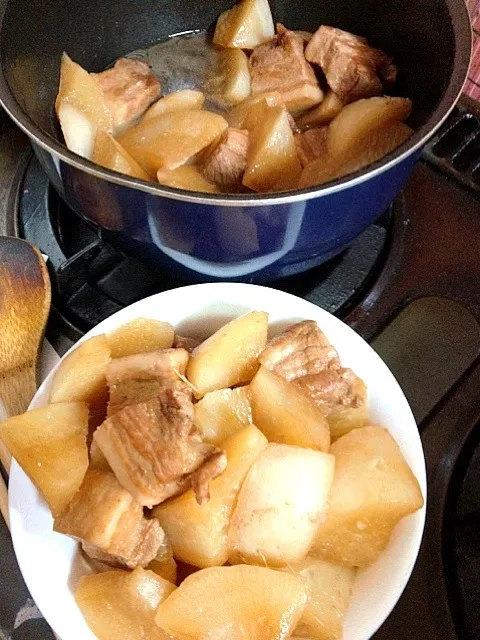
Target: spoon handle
(17,389)
(5,457)
(6,460)
(4,502)
(24,306)
(16,393)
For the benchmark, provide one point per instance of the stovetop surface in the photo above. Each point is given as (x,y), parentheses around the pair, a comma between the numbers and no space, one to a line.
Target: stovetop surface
(410,285)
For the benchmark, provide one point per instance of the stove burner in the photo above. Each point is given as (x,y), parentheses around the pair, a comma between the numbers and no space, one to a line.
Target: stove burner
(91,280)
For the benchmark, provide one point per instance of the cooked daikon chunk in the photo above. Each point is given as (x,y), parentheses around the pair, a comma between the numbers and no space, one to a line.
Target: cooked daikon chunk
(220,414)
(234,79)
(286,415)
(361,118)
(172,139)
(81,374)
(281,504)
(198,533)
(187,177)
(373,489)
(372,147)
(236,603)
(239,115)
(119,605)
(246,25)
(108,153)
(326,111)
(175,101)
(50,444)
(272,162)
(230,355)
(140,336)
(80,107)
(329,588)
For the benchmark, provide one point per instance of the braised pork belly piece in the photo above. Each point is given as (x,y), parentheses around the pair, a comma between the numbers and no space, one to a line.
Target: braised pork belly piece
(156,451)
(129,88)
(311,144)
(280,65)
(225,165)
(186,342)
(110,523)
(352,68)
(331,388)
(299,351)
(138,378)
(303,355)
(213,466)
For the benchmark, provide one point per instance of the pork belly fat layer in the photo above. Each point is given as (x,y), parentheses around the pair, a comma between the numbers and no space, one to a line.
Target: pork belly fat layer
(129,88)
(226,163)
(301,350)
(140,377)
(153,446)
(352,68)
(280,65)
(110,524)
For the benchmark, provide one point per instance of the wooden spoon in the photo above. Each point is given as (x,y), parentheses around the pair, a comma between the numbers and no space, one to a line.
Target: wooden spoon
(25,297)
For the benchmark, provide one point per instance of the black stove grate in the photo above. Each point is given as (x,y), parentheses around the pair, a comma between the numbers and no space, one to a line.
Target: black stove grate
(455,149)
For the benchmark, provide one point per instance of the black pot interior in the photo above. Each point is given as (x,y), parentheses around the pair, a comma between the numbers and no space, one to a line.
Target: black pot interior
(418,33)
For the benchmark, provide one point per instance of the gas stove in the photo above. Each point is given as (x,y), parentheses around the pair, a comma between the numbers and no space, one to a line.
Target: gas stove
(410,285)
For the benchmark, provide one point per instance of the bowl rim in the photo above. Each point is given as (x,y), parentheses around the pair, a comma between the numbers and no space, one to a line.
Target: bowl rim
(124,314)
(462,30)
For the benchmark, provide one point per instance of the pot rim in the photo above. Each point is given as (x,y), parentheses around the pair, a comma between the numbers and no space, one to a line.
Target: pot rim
(463,49)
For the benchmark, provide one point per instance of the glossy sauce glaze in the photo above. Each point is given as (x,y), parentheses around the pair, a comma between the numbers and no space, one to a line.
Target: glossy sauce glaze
(186,61)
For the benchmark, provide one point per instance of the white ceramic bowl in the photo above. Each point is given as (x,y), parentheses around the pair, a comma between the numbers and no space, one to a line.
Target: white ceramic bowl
(50,562)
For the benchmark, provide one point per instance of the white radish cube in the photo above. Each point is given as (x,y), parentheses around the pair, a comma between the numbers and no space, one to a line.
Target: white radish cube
(281,504)
(79,132)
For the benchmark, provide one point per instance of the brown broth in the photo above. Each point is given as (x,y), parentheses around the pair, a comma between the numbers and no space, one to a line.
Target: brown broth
(186,61)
